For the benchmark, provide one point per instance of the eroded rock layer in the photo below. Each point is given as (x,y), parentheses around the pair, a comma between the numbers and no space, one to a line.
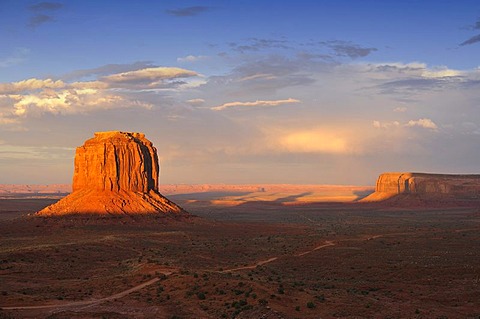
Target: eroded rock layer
(426,186)
(115,173)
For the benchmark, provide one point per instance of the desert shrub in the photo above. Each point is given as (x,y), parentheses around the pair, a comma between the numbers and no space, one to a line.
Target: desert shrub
(310,305)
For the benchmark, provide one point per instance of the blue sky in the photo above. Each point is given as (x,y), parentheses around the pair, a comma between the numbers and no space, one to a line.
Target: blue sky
(243,91)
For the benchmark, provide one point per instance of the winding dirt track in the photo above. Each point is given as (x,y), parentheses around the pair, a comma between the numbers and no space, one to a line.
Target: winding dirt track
(87,302)
(148,283)
(328,243)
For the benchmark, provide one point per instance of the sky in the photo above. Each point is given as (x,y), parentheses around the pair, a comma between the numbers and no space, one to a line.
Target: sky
(243,92)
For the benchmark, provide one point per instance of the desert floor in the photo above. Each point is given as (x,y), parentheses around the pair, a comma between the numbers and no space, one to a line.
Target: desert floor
(250,252)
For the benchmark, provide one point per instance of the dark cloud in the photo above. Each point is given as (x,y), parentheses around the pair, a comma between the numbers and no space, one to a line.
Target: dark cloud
(45,6)
(413,85)
(257,44)
(108,69)
(472,40)
(39,19)
(188,11)
(348,49)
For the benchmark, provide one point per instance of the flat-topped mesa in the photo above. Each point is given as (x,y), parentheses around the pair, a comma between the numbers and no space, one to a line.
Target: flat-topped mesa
(115,173)
(116,161)
(426,186)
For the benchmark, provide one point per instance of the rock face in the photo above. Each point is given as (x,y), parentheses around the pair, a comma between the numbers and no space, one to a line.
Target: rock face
(426,186)
(115,173)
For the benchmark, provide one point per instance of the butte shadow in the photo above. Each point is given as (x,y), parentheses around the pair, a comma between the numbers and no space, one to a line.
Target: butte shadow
(116,173)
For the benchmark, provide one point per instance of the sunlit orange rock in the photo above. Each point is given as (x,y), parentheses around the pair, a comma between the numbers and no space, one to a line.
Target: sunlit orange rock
(115,173)
(426,186)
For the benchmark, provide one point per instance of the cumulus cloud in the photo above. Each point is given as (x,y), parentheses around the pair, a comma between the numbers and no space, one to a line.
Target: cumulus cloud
(423,123)
(258,103)
(29,85)
(38,96)
(188,11)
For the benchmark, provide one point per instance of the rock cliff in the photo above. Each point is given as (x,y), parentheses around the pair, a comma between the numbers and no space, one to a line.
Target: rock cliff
(426,186)
(115,173)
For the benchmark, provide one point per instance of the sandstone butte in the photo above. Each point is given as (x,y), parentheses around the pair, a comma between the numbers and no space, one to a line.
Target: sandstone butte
(425,186)
(115,173)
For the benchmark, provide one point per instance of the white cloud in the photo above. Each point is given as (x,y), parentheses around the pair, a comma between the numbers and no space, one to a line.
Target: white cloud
(258,103)
(191,58)
(424,123)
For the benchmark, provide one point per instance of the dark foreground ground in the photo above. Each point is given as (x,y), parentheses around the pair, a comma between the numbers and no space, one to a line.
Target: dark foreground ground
(254,260)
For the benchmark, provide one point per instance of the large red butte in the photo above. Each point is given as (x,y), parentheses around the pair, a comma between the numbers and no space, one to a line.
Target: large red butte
(115,173)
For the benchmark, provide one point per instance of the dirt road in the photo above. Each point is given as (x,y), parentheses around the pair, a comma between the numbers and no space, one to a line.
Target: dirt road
(87,302)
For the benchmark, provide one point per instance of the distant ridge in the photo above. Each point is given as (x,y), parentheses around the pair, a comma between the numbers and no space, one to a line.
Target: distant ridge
(35,189)
(425,186)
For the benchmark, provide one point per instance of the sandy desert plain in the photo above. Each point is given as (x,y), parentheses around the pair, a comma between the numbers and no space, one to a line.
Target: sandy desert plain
(247,251)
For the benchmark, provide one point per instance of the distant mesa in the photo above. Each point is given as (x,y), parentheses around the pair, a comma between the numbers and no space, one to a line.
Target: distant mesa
(423,186)
(115,173)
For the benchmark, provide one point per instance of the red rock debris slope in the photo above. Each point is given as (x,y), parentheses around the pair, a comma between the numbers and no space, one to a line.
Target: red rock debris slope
(115,173)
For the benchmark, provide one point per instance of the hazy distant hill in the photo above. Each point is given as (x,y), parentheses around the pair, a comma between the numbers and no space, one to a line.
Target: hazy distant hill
(35,189)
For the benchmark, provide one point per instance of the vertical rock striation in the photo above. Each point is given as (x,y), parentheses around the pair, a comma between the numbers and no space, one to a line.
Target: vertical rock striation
(115,173)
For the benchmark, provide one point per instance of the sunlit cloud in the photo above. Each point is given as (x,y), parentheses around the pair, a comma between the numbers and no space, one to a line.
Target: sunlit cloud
(385,125)
(315,141)
(423,123)
(195,101)
(29,85)
(258,103)
(149,76)
(263,76)
(39,96)
(441,73)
